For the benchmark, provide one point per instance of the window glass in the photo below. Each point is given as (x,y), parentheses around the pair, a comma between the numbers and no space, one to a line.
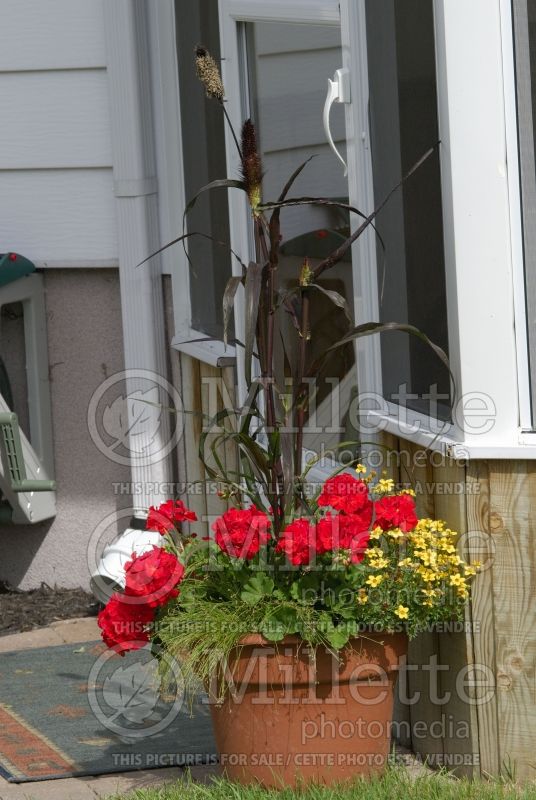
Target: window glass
(411,271)
(204,161)
(288,70)
(525,58)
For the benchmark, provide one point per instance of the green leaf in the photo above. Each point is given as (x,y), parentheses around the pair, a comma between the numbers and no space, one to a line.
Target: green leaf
(258,587)
(280,623)
(305,589)
(274,632)
(337,637)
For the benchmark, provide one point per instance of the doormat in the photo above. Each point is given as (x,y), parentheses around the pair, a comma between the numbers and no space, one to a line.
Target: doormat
(80,709)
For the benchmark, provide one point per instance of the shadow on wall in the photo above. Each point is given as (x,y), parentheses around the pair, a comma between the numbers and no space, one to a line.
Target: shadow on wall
(24,542)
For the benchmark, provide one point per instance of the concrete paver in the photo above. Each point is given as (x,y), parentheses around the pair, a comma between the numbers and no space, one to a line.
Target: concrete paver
(77,630)
(42,637)
(106,785)
(63,789)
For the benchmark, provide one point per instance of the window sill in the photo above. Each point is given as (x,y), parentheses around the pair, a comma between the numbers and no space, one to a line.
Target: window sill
(216,354)
(522,446)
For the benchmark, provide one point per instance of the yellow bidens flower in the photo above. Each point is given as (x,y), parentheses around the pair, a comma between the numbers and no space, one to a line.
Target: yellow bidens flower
(428,575)
(374,552)
(360,469)
(362,597)
(384,485)
(402,612)
(376,558)
(374,580)
(396,533)
(376,532)
(411,492)
(379,563)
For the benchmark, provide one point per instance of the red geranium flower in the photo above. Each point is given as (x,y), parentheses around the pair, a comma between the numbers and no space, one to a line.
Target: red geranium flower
(167,515)
(343,532)
(396,511)
(346,493)
(241,532)
(153,576)
(124,625)
(298,541)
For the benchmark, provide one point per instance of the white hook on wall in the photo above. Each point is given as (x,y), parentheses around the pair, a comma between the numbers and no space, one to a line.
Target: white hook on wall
(338,92)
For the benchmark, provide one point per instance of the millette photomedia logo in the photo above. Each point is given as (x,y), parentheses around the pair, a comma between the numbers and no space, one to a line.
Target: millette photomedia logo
(125,694)
(135,417)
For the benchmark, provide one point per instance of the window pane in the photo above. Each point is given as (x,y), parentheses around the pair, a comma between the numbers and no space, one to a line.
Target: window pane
(525,52)
(203,161)
(288,68)
(403,123)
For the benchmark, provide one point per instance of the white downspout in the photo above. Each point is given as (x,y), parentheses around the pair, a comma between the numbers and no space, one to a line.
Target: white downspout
(135,186)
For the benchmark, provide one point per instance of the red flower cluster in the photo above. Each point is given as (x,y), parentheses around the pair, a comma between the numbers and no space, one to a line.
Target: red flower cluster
(164,518)
(151,580)
(343,532)
(397,511)
(124,624)
(349,529)
(298,541)
(153,577)
(302,539)
(241,533)
(348,494)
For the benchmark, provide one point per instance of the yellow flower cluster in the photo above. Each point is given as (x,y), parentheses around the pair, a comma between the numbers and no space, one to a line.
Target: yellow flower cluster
(376,558)
(427,554)
(384,486)
(436,561)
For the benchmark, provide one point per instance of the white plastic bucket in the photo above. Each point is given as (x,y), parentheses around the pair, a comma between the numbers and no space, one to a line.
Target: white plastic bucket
(109,577)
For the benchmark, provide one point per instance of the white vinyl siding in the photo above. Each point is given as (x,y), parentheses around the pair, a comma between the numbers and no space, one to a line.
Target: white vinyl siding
(57,199)
(57,34)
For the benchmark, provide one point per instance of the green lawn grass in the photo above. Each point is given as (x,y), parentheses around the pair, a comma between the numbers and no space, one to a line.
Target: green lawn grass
(394,784)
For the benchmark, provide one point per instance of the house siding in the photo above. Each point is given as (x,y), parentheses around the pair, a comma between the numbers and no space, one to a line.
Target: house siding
(57,200)
(57,207)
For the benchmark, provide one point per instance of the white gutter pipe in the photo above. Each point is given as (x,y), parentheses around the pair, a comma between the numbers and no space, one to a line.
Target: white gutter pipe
(135,186)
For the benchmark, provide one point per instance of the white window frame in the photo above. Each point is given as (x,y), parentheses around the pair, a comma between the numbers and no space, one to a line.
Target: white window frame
(171,190)
(482,226)
(321,12)
(482,221)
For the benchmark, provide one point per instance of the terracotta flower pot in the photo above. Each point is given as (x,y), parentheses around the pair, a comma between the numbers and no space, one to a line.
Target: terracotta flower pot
(289,718)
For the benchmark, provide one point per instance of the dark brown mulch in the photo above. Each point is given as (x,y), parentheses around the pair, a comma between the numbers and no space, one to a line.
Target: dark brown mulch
(24,611)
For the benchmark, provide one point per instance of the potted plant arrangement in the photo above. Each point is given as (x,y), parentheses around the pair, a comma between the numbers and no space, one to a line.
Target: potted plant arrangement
(295,612)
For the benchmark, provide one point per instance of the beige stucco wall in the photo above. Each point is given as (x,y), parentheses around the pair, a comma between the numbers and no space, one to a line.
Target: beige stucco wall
(85,347)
